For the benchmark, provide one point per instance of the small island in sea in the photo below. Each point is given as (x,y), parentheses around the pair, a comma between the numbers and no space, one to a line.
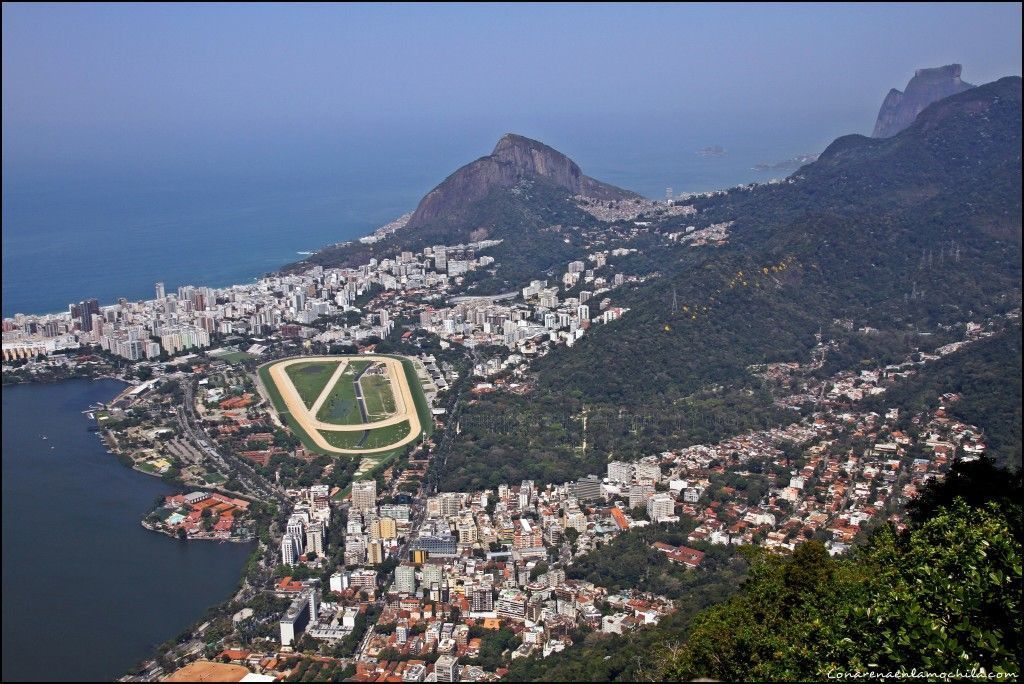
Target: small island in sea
(711,151)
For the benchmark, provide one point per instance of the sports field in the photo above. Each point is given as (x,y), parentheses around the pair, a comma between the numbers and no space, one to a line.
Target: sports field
(366,404)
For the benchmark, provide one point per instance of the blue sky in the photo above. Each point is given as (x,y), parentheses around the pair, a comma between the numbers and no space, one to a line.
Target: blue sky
(75,76)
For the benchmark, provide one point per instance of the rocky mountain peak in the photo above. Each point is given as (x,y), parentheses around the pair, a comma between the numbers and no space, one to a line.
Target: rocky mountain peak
(900,108)
(515,158)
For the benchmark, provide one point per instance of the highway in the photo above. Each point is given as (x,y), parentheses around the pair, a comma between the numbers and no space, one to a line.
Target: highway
(252,482)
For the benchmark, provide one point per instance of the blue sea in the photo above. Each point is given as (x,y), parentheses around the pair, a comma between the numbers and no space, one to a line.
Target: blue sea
(79,570)
(228,211)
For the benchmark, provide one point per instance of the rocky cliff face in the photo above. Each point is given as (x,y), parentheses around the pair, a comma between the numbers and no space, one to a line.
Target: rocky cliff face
(514,158)
(899,109)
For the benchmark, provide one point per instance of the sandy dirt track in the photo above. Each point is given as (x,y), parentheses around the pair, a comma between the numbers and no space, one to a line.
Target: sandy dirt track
(314,410)
(306,417)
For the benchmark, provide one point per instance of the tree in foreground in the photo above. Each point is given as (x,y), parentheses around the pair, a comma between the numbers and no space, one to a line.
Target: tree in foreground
(943,596)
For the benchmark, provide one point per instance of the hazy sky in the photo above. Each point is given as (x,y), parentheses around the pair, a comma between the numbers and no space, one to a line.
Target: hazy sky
(75,75)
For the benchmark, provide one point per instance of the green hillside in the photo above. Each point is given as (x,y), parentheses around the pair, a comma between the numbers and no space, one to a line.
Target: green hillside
(941,596)
(891,234)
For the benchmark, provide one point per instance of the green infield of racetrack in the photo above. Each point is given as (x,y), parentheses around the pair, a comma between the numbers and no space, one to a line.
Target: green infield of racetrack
(419,398)
(341,407)
(378,395)
(311,378)
(379,437)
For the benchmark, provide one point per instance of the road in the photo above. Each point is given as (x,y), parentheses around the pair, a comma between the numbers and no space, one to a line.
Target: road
(252,482)
(418,511)
(436,469)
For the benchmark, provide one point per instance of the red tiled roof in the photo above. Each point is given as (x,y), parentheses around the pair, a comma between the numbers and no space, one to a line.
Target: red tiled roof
(620,519)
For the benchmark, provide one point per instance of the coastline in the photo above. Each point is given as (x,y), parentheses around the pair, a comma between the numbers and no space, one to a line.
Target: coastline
(259,548)
(113,447)
(233,540)
(91,492)
(125,459)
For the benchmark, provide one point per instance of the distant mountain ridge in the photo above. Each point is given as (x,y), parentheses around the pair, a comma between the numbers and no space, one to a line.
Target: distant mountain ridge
(877,247)
(900,109)
(514,159)
(917,232)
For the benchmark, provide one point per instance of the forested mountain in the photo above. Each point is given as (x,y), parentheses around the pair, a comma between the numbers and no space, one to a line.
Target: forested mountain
(900,234)
(889,233)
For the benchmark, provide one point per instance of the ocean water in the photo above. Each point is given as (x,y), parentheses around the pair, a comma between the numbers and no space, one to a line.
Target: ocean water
(69,236)
(88,592)
(79,570)
(229,211)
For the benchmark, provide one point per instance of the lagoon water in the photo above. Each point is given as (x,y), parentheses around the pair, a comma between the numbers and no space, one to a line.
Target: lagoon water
(81,577)
(87,592)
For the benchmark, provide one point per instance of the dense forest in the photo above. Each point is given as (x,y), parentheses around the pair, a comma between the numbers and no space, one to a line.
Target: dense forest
(507,438)
(889,234)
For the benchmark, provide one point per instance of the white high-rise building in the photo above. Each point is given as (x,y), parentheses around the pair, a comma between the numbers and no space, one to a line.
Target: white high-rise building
(289,554)
(338,582)
(621,472)
(355,550)
(296,529)
(405,579)
(432,574)
(660,506)
(364,495)
(639,494)
(315,538)
(296,618)
(449,504)
(446,669)
(314,604)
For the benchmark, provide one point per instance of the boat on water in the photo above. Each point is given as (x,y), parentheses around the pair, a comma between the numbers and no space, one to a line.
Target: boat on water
(305,253)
